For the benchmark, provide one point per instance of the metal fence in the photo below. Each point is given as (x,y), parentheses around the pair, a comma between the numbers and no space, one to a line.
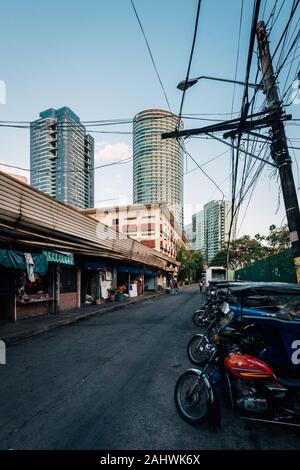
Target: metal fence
(274,268)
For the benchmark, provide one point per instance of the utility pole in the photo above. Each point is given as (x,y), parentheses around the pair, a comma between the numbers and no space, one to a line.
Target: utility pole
(279,147)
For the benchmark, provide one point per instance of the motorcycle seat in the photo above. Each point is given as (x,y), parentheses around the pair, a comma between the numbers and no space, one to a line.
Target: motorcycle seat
(291,382)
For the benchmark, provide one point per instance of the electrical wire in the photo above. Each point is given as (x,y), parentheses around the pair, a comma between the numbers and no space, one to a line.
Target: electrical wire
(104,165)
(197,167)
(244,113)
(150,53)
(237,55)
(190,59)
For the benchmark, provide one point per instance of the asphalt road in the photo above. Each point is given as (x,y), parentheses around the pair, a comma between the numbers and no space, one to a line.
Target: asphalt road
(107,383)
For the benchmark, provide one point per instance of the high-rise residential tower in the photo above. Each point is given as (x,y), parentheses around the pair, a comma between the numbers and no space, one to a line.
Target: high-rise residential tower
(217,216)
(157,163)
(62,157)
(189,233)
(210,228)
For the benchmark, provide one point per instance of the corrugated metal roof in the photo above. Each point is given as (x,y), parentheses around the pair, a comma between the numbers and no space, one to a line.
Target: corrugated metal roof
(42,221)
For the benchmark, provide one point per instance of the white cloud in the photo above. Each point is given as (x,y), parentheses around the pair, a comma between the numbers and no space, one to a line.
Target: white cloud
(118,178)
(106,152)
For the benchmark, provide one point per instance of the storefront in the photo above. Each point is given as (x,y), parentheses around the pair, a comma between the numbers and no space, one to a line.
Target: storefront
(136,280)
(66,280)
(7,295)
(25,285)
(150,280)
(96,279)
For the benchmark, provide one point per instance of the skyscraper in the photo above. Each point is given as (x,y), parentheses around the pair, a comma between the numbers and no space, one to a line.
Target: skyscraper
(217,216)
(210,228)
(189,233)
(157,163)
(199,231)
(62,157)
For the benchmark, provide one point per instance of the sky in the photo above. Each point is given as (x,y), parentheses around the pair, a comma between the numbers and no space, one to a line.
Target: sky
(90,56)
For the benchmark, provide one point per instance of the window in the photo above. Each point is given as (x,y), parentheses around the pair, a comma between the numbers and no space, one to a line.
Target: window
(115,221)
(132,228)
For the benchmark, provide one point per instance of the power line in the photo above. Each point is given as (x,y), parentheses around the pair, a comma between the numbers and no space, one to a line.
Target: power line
(244,112)
(237,55)
(100,123)
(150,53)
(190,59)
(104,165)
(198,166)
(292,13)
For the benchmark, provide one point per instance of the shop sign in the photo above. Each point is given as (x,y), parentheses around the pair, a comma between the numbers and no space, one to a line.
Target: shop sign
(95,266)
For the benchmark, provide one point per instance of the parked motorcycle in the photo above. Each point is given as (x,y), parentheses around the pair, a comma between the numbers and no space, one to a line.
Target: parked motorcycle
(257,355)
(215,297)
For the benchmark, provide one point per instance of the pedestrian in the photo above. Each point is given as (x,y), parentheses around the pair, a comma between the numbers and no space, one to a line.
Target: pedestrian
(175,283)
(200,286)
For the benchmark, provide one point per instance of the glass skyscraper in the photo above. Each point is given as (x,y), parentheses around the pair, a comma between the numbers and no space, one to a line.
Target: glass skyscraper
(62,157)
(157,163)
(210,228)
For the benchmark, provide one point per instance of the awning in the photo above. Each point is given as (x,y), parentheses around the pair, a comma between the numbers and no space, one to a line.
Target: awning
(59,257)
(16,260)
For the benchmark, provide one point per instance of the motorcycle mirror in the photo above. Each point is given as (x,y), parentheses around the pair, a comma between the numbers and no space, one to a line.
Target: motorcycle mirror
(225,308)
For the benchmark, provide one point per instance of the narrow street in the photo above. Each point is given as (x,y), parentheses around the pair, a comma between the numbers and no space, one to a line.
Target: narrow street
(107,383)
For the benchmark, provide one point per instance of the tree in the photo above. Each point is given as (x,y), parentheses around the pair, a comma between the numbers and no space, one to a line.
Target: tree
(191,264)
(220,259)
(278,239)
(242,251)
(246,250)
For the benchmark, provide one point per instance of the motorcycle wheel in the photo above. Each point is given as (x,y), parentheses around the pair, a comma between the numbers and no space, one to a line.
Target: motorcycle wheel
(199,318)
(199,350)
(192,405)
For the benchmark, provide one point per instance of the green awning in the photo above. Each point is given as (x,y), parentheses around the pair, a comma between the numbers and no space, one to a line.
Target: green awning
(60,257)
(16,260)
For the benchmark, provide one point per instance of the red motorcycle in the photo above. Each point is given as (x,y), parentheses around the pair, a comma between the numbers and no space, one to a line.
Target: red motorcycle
(253,388)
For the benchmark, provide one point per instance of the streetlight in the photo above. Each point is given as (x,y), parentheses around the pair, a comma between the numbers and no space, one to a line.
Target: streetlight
(185,84)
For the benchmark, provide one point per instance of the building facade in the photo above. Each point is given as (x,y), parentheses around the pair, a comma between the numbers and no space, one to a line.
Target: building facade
(62,157)
(199,231)
(54,257)
(210,228)
(157,163)
(190,234)
(153,225)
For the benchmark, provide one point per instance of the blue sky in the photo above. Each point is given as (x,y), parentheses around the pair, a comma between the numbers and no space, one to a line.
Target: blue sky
(90,55)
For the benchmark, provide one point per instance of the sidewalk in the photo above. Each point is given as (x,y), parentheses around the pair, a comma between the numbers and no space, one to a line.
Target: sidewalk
(12,333)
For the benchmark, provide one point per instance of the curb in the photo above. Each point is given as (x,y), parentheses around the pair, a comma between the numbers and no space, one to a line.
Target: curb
(11,340)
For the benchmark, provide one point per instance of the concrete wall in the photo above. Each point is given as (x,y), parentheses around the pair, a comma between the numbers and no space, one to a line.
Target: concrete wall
(32,310)
(67,300)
